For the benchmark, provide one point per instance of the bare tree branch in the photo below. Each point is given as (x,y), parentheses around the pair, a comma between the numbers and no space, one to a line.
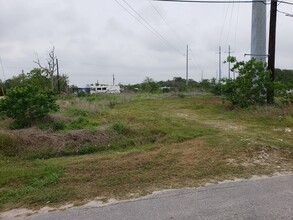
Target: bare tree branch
(51,67)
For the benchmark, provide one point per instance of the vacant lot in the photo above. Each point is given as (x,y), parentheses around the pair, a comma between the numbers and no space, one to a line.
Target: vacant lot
(124,146)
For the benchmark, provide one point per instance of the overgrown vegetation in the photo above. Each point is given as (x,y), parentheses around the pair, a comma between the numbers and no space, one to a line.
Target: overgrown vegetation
(144,143)
(253,85)
(26,105)
(128,145)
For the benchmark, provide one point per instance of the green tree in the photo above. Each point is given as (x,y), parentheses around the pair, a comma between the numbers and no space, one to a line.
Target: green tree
(150,86)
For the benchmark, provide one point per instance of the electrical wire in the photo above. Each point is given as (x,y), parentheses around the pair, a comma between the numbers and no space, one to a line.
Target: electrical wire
(288,3)
(236,27)
(146,24)
(164,39)
(222,29)
(165,21)
(285,13)
(218,2)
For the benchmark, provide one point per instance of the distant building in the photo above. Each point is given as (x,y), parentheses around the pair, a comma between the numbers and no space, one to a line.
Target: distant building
(96,89)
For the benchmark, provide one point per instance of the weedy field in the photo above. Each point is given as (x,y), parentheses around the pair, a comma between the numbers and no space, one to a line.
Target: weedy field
(125,146)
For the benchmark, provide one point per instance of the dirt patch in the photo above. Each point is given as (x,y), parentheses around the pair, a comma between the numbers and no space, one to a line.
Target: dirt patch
(190,152)
(33,138)
(227,126)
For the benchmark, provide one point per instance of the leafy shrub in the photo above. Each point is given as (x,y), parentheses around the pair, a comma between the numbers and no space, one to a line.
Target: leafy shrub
(27,104)
(251,85)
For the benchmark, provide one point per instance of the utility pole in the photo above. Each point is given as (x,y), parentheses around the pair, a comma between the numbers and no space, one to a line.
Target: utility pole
(272,47)
(258,30)
(229,53)
(58,81)
(229,63)
(187,65)
(220,63)
(113,80)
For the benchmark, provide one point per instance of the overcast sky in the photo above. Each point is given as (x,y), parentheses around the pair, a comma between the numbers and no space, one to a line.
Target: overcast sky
(95,39)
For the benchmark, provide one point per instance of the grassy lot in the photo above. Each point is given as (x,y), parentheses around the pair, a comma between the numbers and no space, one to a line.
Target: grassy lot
(124,146)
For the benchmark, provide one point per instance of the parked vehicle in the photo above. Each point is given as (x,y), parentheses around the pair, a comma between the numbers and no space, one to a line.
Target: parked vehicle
(96,89)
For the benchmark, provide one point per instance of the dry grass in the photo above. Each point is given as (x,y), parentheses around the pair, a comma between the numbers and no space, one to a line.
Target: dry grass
(176,142)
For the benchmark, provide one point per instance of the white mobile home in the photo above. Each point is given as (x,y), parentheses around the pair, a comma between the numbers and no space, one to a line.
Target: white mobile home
(104,89)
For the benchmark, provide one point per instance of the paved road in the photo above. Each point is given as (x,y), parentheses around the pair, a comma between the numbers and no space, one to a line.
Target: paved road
(267,198)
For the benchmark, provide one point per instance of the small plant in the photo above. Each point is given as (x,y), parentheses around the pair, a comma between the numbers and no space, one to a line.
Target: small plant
(9,145)
(81,94)
(58,125)
(119,127)
(181,95)
(112,104)
(79,123)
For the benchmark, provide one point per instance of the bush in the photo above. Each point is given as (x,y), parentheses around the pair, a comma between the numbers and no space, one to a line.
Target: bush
(58,125)
(82,94)
(119,127)
(250,87)
(27,104)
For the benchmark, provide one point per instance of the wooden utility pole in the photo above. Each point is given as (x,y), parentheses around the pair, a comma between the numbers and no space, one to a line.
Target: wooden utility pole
(272,48)
(220,63)
(229,63)
(58,81)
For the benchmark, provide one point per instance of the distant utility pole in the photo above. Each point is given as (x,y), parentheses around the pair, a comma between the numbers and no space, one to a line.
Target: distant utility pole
(220,63)
(113,80)
(187,65)
(229,52)
(58,81)
(272,47)
(229,68)
(258,30)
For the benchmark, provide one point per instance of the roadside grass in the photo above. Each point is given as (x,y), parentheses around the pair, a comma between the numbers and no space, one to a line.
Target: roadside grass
(30,182)
(132,145)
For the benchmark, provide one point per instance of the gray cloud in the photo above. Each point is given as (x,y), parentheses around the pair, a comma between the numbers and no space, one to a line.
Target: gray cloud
(95,39)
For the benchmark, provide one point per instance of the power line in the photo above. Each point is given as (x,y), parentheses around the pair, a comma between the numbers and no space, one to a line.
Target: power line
(285,13)
(165,21)
(221,33)
(288,3)
(146,24)
(218,2)
(164,39)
